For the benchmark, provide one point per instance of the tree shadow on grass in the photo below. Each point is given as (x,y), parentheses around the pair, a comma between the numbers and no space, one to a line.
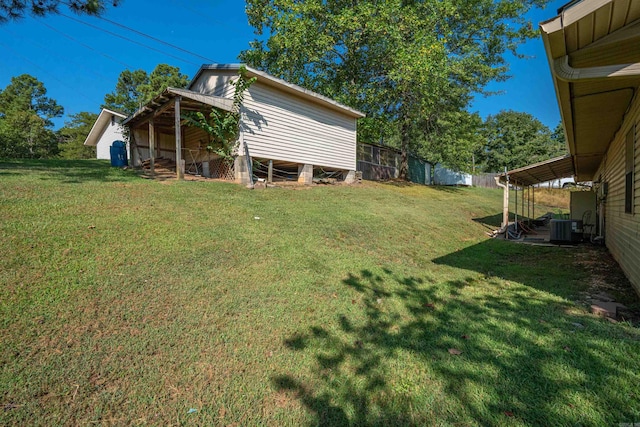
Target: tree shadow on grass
(494,221)
(523,359)
(67,171)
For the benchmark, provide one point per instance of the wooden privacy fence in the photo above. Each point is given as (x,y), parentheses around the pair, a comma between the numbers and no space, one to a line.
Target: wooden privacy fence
(485,180)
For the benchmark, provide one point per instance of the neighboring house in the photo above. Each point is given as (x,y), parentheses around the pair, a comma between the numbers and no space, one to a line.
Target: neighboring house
(105,131)
(378,162)
(593,48)
(282,125)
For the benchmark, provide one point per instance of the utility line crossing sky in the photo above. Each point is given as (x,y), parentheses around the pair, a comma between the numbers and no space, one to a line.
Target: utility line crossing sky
(79,58)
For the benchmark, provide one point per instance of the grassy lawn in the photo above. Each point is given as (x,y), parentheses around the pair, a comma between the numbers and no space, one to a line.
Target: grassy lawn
(130,301)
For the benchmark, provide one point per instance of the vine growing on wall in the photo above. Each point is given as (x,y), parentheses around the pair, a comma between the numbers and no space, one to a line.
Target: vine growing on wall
(221,126)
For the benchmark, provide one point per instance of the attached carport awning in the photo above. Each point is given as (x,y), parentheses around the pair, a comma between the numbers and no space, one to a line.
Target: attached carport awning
(165,111)
(559,167)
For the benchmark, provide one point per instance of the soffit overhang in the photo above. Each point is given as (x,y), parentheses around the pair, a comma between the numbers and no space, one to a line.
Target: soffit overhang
(593,49)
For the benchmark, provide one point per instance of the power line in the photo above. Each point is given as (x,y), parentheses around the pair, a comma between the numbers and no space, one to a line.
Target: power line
(47,72)
(83,44)
(49,51)
(127,39)
(155,39)
(150,37)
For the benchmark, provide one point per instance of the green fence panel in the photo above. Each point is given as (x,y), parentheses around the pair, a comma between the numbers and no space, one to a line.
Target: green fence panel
(416,171)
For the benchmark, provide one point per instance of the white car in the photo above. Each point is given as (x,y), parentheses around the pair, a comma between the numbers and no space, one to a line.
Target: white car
(563,183)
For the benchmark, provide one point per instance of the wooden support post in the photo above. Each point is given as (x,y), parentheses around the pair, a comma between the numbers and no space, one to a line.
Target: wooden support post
(176,112)
(156,138)
(270,173)
(515,187)
(152,147)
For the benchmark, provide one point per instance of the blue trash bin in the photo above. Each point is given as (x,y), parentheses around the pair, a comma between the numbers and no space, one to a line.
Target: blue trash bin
(118,152)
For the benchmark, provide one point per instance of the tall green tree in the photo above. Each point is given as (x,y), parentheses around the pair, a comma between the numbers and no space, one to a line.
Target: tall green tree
(25,119)
(73,134)
(25,135)
(453,139)
(136,88)
(16,9)
(559,139)
(515,139)
(410,65)
(25,93)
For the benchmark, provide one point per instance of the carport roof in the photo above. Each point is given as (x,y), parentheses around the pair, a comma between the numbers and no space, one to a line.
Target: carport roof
(161,108)
(559,167)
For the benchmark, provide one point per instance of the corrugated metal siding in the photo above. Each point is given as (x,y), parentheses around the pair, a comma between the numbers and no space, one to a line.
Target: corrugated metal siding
(622,230)
(281,126)
(444,176)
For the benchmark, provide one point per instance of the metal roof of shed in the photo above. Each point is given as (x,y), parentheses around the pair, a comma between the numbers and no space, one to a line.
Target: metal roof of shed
(283,85)
(161,107)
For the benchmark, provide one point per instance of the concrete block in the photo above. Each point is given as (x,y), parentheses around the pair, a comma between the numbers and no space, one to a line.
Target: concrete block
(240,170)
(305,174)
(606,308)
(205,170)
(350,177)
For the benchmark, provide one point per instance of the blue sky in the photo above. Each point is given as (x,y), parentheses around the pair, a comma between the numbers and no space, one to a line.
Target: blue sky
(79,64)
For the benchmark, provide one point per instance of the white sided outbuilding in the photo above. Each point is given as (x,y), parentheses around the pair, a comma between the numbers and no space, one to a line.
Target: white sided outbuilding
(281,124)
(105,131)
(285,122)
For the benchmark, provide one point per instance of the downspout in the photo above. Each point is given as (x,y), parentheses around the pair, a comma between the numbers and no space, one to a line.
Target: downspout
(505,202)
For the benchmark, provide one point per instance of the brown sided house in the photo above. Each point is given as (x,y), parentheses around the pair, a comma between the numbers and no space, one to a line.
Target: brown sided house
(593,48)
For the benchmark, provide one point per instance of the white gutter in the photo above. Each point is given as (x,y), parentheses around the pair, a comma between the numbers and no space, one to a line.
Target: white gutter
(569,74)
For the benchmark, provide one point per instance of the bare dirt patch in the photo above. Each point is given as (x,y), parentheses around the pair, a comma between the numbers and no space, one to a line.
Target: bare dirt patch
(608,283)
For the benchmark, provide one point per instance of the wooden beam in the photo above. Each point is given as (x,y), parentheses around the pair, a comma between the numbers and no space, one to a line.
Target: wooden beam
(213,101)
(152,147)
(167,105)
(176,113)
(515,187)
